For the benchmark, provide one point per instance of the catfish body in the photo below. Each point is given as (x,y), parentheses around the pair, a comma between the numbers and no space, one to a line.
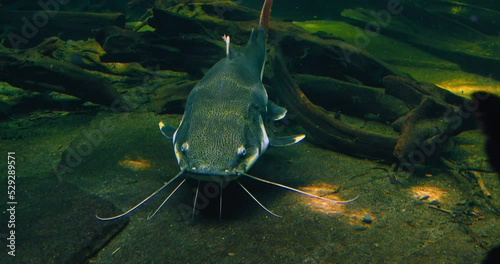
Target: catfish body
(222,130)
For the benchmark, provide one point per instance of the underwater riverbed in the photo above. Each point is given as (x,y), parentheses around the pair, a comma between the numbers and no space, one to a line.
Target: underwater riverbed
(388,223)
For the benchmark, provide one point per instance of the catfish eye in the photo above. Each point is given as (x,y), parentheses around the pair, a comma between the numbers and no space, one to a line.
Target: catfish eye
(242,151)
(184,147)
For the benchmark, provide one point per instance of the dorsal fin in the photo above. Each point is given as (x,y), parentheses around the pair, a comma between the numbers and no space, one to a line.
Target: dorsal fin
(227,39)
(265,13)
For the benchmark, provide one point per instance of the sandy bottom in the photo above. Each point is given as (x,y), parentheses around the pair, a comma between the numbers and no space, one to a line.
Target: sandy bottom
(431,216)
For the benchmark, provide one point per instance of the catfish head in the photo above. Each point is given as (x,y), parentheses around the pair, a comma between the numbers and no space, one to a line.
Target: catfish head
(225,146)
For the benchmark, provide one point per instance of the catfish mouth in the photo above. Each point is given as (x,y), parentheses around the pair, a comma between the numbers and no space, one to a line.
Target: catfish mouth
(211,175)
(216,170)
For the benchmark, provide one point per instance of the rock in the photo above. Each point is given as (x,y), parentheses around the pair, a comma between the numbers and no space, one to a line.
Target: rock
(434,202)
(367,219)
(425,197)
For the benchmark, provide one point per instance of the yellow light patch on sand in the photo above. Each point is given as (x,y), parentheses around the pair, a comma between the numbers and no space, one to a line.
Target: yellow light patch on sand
(135,164)
(466,87)
(328,190)
(428,193)
(325,190)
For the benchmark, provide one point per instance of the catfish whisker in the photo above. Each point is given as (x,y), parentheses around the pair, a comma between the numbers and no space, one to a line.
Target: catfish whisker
(299,191)
(165,201)
(255,199)
(195,199)
(142,202)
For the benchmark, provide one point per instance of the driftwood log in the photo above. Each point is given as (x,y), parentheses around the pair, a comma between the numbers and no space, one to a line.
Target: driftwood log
(32,70)
(186,53)
(345,97)
(328,131)
(472,50)
(28,28)
(436,115)
(305,53)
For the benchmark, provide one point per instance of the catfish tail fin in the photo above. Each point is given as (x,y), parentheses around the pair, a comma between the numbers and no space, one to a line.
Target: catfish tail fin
(265,13)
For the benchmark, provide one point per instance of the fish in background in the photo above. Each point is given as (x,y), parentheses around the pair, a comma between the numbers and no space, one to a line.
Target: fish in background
(488,115)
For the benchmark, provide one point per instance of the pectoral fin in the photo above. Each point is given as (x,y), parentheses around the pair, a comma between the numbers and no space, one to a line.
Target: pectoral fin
(167,130)
(275,112)
(285,141)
